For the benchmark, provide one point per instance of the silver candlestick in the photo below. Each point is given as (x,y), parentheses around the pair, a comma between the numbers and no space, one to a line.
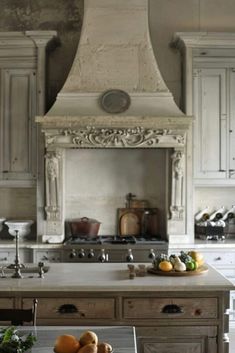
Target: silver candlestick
(17,264)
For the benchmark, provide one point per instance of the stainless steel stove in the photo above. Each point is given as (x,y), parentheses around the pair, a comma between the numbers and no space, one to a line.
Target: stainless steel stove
(108,248)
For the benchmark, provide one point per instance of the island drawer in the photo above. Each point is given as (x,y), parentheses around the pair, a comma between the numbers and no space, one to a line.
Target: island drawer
(6,303)
(163,308)
(76,308)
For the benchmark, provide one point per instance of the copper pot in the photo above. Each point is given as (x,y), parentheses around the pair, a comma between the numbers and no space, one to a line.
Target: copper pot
(84,226)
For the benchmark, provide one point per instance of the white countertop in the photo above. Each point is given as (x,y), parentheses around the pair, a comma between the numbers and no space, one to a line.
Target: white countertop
(206,244)
(111,277)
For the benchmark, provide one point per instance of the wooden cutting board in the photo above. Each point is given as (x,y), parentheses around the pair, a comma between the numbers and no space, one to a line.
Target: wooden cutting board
(129,221)
(129,224)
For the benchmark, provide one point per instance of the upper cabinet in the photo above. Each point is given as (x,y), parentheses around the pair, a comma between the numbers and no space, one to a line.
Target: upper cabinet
(209,95)
(22,97)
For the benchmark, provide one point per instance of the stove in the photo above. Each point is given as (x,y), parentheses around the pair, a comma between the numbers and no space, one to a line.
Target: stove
(110,248)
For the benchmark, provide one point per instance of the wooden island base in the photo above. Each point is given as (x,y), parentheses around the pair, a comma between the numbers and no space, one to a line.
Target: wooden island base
(186,314)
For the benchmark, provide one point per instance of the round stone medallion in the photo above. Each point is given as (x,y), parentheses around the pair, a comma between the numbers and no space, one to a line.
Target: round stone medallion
(115,101)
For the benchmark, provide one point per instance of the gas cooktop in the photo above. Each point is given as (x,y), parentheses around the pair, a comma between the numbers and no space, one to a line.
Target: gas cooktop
(113,239)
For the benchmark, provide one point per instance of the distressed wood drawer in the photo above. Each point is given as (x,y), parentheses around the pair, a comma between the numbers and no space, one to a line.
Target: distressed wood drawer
(6,303)
(163,308)
(75,308)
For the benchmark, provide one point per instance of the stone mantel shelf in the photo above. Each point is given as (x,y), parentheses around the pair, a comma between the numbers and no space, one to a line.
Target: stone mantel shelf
(174,123)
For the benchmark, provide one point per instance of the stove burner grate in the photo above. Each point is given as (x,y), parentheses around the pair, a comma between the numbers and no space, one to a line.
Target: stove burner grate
(111,239)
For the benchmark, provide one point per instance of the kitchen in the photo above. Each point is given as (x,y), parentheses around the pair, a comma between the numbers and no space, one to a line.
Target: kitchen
(20,203)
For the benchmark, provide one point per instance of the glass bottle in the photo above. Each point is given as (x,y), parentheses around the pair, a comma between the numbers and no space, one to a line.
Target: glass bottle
(229,214)
(218,214)
(202,215)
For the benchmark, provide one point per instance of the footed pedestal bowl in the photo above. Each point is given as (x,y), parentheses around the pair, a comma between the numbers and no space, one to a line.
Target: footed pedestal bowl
(20,226)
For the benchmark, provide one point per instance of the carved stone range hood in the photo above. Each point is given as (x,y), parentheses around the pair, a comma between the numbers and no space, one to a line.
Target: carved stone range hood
(114,97)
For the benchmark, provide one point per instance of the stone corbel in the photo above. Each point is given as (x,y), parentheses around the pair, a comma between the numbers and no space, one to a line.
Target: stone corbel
(177,193)
(53,180)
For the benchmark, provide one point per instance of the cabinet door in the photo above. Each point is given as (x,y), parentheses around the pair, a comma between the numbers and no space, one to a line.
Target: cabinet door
(210,126)
(183,339)
(18,130)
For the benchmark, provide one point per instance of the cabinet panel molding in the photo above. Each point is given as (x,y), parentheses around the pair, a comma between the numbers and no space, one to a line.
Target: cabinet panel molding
(209,88)
(22,85)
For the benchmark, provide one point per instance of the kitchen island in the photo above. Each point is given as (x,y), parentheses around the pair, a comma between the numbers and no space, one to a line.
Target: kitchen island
(186,314)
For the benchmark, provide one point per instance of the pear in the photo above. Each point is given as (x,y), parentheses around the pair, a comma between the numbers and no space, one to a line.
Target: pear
(104,347)
(89,348)
(88,337)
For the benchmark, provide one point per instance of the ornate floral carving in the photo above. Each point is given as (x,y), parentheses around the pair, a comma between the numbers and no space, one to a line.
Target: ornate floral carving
(50,139)
(120,137)
(177,213)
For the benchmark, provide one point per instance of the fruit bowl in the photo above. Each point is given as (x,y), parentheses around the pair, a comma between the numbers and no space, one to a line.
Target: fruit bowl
(87,343)
(22,226)
(185,264)
(173,273)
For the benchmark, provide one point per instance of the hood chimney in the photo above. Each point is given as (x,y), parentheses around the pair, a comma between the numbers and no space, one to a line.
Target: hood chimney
(115,53)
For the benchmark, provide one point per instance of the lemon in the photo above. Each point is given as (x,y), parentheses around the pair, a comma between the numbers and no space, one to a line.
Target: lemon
(165,266)
(197,256)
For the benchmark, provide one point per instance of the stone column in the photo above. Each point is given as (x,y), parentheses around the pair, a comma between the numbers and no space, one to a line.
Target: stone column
(54,200)
(178,179)
(53,182)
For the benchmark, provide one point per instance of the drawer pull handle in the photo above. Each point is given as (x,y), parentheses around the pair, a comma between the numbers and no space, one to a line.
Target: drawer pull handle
(198,312)
(172,309)
(218,258)
(68,309)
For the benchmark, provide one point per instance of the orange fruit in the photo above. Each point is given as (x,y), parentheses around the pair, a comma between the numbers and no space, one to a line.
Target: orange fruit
(165,266)
(66,344)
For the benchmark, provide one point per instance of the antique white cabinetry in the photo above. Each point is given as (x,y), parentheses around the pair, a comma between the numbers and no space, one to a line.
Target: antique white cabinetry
(47,255)
(209,87)
(22,87)
(7,255)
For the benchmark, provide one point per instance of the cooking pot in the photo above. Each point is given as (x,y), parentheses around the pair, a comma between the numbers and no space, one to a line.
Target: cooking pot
(84,226)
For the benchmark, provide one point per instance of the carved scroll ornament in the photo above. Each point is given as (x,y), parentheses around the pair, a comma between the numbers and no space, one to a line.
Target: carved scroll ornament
(116,137)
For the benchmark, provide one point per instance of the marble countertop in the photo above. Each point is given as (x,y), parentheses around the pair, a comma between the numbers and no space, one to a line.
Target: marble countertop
(111,277)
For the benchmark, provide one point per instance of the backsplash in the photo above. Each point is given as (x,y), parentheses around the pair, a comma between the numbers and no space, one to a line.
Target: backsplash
(213,198)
